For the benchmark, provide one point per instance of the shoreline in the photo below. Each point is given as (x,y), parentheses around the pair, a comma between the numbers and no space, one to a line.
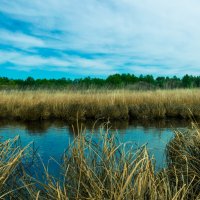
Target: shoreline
(116,105)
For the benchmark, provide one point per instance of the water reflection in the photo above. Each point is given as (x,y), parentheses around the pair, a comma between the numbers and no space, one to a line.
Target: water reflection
(42,127)
(53,137)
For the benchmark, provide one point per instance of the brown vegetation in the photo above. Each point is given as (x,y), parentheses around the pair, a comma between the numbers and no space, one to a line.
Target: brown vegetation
(88,104)
(107,169)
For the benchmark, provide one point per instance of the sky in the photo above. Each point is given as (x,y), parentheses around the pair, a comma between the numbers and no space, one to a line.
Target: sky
(78,38)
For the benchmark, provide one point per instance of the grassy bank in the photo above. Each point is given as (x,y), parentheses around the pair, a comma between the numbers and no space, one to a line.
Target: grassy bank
(106,169)
(89,104)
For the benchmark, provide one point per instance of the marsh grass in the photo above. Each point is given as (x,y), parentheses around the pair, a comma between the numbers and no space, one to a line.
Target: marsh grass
(14,164)
(91,104)
(99,166)
(183,154)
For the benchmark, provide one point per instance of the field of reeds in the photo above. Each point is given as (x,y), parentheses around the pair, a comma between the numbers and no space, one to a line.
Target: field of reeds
(99,104)
(104,168)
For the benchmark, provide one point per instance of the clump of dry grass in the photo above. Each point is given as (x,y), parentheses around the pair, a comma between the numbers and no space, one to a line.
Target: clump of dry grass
(14,181)
(100,167)
(117,104)
(103,168)
(183,154)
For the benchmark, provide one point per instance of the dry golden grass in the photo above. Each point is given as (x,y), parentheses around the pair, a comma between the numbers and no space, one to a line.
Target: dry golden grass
(183,154)
(107,169)
(14,181)
(89,104)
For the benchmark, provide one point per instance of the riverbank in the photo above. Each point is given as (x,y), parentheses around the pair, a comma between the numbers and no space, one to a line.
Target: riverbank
(105,169)
(99,104)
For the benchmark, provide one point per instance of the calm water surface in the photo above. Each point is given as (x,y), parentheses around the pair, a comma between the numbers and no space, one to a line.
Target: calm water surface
(52,138)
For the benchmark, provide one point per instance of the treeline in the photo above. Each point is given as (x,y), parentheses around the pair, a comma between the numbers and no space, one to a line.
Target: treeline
(129,81)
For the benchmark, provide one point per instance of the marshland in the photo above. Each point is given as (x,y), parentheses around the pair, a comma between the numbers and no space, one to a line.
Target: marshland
(99,100)
(101,167)
(99,104)
(111,142)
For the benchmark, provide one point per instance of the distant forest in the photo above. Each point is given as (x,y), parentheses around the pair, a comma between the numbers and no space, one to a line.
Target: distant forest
(116,81)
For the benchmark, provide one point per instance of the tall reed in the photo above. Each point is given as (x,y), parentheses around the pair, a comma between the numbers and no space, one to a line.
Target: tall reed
(89,104)
(183,154)
(99,166)
(15,183)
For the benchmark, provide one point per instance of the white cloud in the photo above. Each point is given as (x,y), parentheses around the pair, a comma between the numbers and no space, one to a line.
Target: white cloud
(140,32)
(20,40)
(23,62)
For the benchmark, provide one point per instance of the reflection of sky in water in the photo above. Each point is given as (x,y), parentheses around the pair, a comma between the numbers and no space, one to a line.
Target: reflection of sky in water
(53,139)
(155,139)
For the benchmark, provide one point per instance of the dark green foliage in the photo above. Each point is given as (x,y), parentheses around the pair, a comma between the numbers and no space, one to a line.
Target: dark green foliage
(114,81)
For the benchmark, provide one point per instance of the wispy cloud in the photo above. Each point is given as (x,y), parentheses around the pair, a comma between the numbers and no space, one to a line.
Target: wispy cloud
(101,37)
(20,40)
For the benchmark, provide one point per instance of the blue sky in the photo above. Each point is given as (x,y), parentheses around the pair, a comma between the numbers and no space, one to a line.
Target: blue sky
(77,38)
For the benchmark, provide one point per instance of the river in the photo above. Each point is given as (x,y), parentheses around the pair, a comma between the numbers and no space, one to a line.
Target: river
(51,138)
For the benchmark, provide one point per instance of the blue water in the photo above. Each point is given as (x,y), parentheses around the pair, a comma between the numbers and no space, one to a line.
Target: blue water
(52,138)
